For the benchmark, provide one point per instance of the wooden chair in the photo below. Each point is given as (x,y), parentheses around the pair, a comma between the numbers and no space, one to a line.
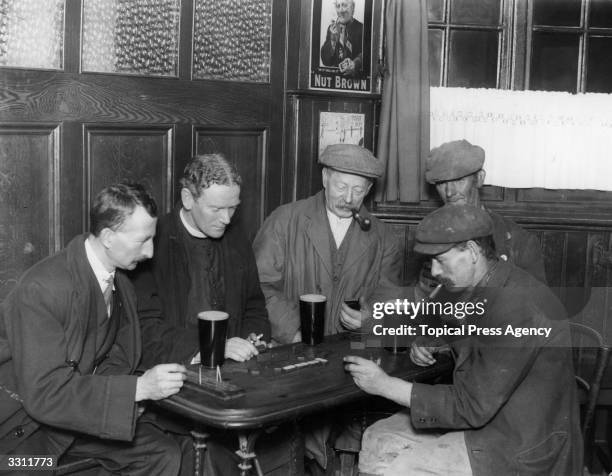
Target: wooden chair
(76,466)
(591,356)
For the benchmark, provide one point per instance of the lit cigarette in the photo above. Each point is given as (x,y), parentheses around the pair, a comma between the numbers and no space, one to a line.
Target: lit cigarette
(435,292)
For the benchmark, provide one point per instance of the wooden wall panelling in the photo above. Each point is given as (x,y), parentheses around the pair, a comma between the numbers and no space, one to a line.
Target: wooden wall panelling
(247,149)
(29,197)
(303,136)
(142,153)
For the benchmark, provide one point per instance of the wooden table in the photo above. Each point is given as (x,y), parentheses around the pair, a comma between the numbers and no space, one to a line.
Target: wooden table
(273,395)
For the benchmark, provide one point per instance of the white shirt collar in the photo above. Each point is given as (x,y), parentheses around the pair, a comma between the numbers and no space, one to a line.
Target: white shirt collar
(102,275)
(339,226)
(190,229)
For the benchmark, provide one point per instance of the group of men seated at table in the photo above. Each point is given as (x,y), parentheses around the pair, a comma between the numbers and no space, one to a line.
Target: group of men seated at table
(84,345)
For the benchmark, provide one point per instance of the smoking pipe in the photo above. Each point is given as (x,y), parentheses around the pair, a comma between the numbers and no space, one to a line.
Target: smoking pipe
(364,223)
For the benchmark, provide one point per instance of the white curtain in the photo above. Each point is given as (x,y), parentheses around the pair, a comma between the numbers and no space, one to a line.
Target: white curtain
(542,139)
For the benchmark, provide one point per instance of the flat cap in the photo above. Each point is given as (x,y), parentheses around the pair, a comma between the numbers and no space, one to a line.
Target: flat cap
(453,160)
(352,159)
(451,224)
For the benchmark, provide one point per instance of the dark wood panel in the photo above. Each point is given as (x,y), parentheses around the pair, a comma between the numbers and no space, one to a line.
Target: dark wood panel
(54,96)
(139,153)
(306,109)
(544,195)
(29,203)
(247,149)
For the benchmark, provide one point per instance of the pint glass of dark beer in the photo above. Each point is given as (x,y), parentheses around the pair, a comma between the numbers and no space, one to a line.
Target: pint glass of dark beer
(312,318)
(212,326)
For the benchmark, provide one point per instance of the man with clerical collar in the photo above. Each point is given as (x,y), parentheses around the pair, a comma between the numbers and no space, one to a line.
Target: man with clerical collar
(202,262)
(70,344)
(315,246)
(512,406)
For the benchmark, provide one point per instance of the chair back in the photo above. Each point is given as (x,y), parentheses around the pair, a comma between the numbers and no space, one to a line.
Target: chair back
(590,356)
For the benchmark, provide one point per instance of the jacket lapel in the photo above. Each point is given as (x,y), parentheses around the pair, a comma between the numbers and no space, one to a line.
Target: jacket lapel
(360,243)
(316,231)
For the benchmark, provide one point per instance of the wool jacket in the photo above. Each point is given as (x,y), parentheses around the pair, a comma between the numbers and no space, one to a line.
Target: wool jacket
(518,246)
(294,257)
(515,398)
(48,326)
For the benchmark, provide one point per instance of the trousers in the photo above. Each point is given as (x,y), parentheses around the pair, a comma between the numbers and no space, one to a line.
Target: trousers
(393,447)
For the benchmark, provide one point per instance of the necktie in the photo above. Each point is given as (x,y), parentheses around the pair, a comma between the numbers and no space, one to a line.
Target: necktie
(108,295)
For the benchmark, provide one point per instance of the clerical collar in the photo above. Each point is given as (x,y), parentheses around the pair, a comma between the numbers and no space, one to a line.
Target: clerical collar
(102,275)
(190,229)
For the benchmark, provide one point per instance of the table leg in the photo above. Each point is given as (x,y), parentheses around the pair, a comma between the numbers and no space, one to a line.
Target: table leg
(246,453)
(199,447)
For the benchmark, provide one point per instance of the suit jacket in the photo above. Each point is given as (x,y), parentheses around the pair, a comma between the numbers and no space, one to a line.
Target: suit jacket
(514,397)
(332,57)
(293,253)
(162,285)
(47,356)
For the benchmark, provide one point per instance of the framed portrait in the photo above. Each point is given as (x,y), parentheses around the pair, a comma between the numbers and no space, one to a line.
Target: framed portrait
(340,128)
(341,45)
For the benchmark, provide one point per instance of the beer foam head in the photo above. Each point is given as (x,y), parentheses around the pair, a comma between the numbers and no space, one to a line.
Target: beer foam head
(313,298)
(213,315)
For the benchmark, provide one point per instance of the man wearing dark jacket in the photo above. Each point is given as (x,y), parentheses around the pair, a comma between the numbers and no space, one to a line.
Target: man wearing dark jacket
(70,343)
(512,407)
(456,170)
(201,262)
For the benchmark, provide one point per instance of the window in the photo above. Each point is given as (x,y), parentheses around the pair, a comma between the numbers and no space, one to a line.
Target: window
(466,40)
(556,45)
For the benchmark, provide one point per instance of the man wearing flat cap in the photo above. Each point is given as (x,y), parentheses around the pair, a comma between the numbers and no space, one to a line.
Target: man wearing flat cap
(455,168)
(512,406)
(315,246)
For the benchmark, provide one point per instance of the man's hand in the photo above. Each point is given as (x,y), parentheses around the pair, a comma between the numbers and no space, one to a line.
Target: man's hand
(239,349)
(352,319)
(160,382)
(347,67)
(368,375)
(422,355)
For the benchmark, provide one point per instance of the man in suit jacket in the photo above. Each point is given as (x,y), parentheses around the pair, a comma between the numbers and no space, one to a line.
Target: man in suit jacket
(343,45)
(512,407)
(70,343)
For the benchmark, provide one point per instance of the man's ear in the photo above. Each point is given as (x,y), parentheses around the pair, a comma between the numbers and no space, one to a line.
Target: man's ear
(480,176)
(105,237)
(474,250)
(187,198)
(325,176)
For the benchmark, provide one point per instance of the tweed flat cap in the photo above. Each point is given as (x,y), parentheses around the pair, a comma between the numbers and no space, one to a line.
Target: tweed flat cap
(453,160)
(352,159)
(442,229)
